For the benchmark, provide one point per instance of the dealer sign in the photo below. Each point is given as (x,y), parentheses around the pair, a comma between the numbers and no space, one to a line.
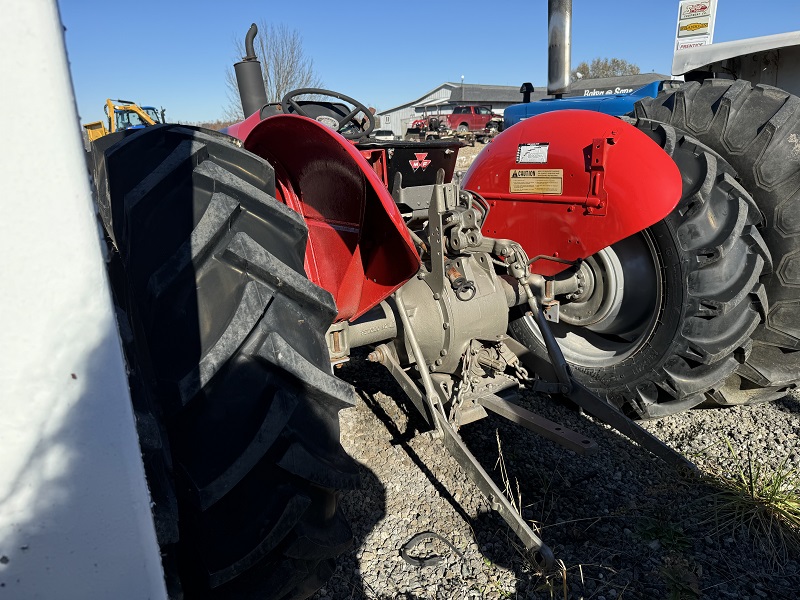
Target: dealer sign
(695,23)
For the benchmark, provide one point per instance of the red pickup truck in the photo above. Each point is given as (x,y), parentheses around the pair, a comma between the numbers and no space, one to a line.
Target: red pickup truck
(470,123)
(471,118)
(463,119)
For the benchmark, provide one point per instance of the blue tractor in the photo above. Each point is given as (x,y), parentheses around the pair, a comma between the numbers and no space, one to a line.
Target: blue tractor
(608,103)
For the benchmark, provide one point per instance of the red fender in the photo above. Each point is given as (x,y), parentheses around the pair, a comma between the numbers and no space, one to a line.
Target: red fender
(242,129)
(359,248)
(570,183)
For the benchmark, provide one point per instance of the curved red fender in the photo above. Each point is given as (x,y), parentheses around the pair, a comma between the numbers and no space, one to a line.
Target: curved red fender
(572,182)
(359,248)
(242,129)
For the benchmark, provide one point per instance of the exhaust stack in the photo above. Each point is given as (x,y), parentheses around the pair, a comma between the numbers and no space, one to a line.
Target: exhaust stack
(248,77)
(559,50)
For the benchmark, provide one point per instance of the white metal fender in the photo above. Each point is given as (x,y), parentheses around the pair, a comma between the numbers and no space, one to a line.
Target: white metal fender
(75,518)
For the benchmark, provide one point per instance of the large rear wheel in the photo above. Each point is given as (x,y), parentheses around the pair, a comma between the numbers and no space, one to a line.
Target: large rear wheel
(757,130)
(666,315)
(236,405)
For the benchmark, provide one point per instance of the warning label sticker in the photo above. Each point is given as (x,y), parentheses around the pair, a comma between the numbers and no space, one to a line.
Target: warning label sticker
(532,153)
(536,181)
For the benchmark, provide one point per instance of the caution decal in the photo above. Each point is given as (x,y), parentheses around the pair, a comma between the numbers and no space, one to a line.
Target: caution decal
(536,181)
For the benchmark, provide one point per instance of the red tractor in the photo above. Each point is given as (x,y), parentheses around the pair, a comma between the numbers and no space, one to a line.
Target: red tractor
(623,258)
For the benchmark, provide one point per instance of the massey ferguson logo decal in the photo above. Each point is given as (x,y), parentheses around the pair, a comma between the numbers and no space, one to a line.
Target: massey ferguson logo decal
(421,163)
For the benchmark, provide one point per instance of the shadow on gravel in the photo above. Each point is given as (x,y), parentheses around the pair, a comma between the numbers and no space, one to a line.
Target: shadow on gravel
(364,508)
(624,524)
(491,532)
(402,438)
(498,546)
(790,403)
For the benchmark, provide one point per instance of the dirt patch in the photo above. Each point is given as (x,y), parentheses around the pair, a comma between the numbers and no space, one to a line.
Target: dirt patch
(467,154)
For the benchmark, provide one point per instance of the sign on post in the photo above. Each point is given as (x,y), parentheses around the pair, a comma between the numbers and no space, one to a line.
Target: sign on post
(695,23)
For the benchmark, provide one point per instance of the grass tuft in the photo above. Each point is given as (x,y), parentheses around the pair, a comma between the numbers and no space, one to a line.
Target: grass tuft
(516,500)
(762,503)
(553,583)
(671,536)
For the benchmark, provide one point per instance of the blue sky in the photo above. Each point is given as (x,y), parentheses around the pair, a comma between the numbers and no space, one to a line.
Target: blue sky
(174,53)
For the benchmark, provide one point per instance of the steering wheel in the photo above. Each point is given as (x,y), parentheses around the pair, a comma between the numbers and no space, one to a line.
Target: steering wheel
(329,114)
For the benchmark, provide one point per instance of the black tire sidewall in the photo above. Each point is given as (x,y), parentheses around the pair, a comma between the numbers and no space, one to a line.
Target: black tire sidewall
(664,339)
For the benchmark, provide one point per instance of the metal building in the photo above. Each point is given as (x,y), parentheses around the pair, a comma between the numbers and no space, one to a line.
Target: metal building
(443,98)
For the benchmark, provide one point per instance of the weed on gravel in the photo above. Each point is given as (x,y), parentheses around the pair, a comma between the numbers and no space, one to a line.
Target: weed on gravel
(760,502)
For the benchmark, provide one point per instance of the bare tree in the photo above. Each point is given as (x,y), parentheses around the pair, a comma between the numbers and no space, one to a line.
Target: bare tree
(604,67)
(284,66)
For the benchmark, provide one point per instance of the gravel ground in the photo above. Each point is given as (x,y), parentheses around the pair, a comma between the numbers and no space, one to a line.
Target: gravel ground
(624,524)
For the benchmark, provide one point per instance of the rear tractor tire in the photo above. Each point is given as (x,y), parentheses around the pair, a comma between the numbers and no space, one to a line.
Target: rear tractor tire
(668,312)
(757,130)
(236,406)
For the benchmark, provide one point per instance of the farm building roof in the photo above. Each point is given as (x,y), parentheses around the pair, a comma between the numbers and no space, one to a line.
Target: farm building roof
(477,93)
(623,82)
(470,93)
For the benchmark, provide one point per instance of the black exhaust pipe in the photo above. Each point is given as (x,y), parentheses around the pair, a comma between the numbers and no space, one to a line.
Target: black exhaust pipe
(559,51)
(249,78)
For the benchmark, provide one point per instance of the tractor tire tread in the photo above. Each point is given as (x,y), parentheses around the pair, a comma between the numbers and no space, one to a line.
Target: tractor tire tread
(754,128)
(237,404)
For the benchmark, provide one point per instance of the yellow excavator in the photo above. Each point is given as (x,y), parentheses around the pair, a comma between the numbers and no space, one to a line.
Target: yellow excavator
(123,114)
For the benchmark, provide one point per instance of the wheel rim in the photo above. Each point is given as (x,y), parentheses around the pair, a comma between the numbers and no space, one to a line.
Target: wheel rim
(617,311)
